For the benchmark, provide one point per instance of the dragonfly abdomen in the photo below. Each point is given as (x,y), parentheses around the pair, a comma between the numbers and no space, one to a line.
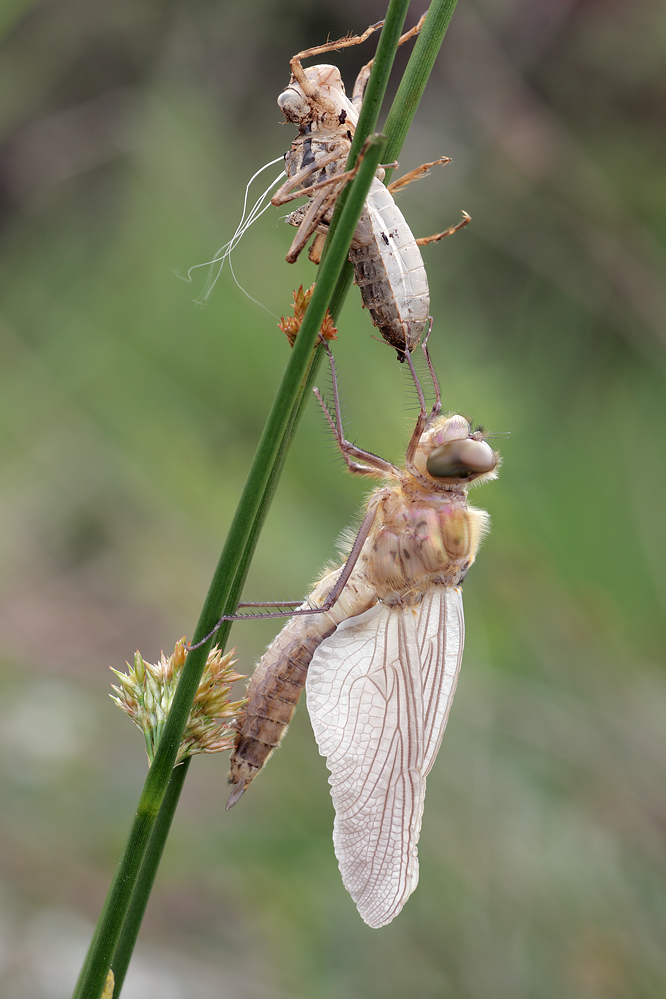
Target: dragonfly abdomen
(272,694)
(390,273)
(277,682)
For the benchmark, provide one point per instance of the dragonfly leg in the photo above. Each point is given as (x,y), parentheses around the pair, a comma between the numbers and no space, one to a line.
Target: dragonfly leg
(364,75)
(358,460)
(350,562)
(421,419)
(424,240)
(416,174)
(317,248)
(328,191)
(287,191)
(308,88)
(437,407)
(314,213)
(331,597)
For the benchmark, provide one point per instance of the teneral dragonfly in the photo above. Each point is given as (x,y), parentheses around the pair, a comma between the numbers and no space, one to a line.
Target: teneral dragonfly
(388,266)
(378,645)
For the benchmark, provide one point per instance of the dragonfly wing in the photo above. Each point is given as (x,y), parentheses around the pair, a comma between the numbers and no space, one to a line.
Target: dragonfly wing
(379,690)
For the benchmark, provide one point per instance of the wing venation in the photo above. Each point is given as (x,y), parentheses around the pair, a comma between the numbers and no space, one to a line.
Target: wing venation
(379,690)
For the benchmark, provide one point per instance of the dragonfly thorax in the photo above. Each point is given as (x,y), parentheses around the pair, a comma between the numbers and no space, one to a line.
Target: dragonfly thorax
(421,540)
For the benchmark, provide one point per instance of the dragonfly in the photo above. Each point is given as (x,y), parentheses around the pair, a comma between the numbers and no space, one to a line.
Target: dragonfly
(388,266)
(378,646)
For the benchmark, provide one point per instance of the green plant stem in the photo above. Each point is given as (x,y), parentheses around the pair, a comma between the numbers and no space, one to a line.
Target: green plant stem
(378,82)
(413,82)
(147,875)
(226,585)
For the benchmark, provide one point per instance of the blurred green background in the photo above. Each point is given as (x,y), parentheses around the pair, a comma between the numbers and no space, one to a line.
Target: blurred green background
(130,415)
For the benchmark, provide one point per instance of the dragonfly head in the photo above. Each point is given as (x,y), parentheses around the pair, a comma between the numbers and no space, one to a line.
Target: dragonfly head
(319,94)
(452,452)
(295,105)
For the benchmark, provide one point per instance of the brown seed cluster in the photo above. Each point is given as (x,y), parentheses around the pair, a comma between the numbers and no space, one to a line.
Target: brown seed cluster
(292,324)
(147,690)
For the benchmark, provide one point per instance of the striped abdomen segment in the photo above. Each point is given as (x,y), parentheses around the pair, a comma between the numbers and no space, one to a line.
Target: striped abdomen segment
(272,694)
(277,682)
(389,271)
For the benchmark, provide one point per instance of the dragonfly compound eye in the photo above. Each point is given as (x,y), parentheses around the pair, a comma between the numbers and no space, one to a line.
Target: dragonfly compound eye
(295,106)
(461,460)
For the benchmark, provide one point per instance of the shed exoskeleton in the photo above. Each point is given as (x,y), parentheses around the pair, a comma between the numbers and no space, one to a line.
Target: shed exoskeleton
(388,266)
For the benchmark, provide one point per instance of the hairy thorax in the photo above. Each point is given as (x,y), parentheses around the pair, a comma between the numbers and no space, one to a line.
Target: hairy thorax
(419,541)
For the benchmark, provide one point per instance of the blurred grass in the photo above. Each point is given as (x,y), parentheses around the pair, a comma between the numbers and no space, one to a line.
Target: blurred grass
(129,417)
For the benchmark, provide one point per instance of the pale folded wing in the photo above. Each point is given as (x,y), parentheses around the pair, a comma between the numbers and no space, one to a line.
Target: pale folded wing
(379,690)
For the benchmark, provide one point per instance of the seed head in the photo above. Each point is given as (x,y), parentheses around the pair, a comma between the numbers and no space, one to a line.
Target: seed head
(146,692)
(292,324)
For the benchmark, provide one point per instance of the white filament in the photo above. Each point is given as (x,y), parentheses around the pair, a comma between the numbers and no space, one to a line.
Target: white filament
(223,255)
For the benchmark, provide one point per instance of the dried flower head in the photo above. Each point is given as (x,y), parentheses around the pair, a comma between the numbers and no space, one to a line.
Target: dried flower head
(146,692)
(292,324)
